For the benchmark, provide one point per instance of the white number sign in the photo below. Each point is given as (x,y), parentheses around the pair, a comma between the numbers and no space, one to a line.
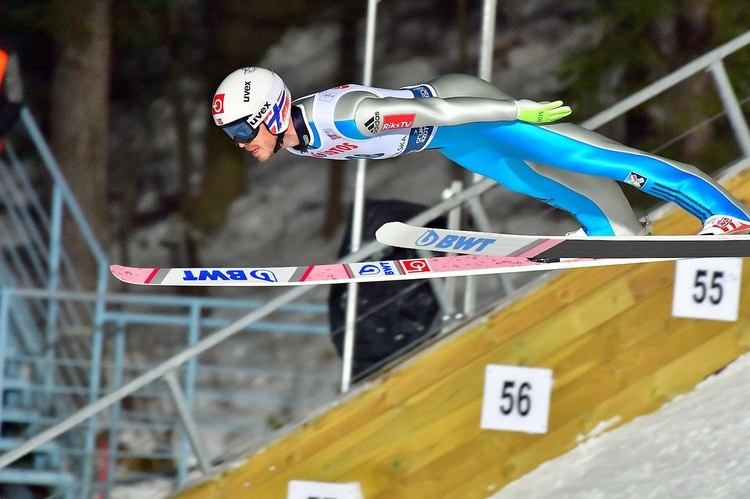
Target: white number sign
(301,489)
(707,288)
(516,398)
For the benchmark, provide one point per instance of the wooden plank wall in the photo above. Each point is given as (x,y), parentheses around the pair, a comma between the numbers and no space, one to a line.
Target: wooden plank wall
(609,337)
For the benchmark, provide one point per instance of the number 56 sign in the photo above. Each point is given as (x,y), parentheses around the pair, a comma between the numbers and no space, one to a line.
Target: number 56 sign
(516,398)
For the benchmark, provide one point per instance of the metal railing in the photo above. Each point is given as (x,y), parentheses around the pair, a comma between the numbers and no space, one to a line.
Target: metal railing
(54,341)
(135,332)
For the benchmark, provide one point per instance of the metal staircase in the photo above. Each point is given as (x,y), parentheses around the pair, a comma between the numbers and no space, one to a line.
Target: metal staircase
(26,409)
(63,347)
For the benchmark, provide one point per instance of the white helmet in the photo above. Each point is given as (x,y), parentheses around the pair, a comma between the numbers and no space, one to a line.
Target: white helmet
(248,97)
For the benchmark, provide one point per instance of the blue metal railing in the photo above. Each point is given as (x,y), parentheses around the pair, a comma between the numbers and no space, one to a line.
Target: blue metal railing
(39,307)
(180,322)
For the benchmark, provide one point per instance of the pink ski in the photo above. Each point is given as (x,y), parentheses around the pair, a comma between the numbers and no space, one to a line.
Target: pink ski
(418,268)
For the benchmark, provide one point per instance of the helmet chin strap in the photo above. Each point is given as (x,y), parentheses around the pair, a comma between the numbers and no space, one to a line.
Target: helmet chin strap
(279,141)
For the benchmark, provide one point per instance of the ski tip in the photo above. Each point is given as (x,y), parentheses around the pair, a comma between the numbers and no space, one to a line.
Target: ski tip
(386,230)
(387,226)
(132,275)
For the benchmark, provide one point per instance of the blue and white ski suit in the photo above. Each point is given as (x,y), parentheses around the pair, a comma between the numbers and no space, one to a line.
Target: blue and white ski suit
(475,125)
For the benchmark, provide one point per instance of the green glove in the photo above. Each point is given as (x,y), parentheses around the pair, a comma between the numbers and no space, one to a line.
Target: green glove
(541,112)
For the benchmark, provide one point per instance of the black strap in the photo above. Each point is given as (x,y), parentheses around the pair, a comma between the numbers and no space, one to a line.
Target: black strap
(298,122)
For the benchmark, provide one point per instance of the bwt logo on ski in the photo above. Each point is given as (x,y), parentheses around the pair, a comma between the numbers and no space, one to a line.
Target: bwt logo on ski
(461,243)
(230,275)
(373,269)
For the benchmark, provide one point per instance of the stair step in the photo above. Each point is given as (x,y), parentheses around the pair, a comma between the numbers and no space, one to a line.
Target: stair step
(34,477)
(30,416)
(14,415)
(7,444)
(45,456)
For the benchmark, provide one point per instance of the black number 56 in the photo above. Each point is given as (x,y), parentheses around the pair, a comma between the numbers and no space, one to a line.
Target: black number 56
(520,400)
(703,289)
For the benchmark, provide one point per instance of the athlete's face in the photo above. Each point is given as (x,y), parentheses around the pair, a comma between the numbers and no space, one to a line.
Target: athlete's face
(262,146)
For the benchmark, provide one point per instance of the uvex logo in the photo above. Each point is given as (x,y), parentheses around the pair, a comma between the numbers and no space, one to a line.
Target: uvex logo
(246,96)
(255,120)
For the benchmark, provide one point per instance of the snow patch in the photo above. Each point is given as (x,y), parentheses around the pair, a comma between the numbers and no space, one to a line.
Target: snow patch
(600,428)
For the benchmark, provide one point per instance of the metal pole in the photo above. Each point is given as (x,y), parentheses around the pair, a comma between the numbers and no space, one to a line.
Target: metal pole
(486,53)
(488,39)
(187,421)
(114,416)
(734,111)
(358,212)
(53,283)
(5,297)
(191,367)
(97,347)
(454,222)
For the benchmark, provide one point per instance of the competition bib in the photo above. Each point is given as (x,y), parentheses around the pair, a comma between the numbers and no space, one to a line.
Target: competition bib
(397,136)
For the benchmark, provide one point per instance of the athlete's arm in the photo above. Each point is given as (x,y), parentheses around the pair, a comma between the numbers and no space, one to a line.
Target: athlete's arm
(449,111)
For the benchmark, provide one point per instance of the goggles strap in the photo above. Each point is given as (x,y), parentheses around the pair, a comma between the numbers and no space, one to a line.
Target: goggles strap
(279,141)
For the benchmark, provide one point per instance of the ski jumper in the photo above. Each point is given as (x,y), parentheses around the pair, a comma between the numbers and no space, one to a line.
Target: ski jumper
(474,124)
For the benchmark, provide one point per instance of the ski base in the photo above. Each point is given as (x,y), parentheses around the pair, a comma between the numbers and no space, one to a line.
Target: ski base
(557,247)
(389,270)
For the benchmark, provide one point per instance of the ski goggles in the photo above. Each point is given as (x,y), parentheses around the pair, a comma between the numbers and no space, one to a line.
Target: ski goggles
(240,131)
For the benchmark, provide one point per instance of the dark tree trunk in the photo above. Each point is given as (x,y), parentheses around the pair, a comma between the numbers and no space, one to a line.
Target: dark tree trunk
(79,120)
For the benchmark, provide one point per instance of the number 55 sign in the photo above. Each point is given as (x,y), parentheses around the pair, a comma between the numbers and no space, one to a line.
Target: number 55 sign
(516,398)
(707,288)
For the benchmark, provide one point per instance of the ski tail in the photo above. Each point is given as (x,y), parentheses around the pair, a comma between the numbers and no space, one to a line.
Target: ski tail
(134,275)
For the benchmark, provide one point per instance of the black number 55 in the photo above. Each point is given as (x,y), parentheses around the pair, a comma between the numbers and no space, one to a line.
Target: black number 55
(705,289)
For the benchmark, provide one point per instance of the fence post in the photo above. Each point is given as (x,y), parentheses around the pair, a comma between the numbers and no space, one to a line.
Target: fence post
(199,449)
(734,111)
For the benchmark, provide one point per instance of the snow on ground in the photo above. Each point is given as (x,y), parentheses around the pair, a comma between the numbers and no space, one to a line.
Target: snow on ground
(696,446)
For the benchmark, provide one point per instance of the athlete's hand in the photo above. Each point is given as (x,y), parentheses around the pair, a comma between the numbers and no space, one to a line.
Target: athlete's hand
(541,112)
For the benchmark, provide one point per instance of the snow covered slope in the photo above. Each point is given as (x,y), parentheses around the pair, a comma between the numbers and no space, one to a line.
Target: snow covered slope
(694,447)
